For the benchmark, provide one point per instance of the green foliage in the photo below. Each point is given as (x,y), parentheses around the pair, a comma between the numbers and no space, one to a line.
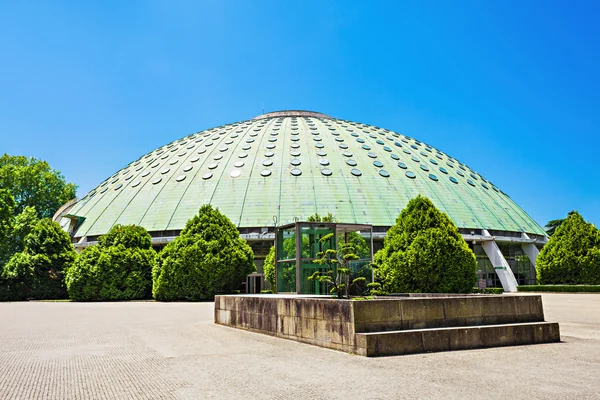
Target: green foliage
(130,236)
(269,267)
(552,225)
(289,247)
(209,257)
(23,224)
(559,288)
(7,206)
(38,271)
(266,291)
(361,248)
(33,183)
(424,253)
(118,268)
(572,255)
(337,274)
(376,289)
(325,218)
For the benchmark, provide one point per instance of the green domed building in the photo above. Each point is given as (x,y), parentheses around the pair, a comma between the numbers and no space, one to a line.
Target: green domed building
(285,166)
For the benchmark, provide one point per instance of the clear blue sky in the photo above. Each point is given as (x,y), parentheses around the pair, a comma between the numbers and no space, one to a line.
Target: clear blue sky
(512,89)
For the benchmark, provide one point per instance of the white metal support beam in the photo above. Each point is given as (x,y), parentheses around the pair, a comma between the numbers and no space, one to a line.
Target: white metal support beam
(530,249)
(505,274)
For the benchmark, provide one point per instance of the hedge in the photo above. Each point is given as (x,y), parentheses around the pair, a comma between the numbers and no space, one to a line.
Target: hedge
(559,288)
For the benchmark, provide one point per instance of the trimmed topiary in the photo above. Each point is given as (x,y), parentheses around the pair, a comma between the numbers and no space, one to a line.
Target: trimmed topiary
(572,255)
(209,257)
(424,252)
(118,268)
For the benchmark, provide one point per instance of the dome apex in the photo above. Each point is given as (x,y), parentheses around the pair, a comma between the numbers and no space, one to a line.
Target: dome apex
(292,113)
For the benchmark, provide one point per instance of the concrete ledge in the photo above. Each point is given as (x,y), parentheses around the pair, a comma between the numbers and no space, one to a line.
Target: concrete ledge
(433,312)
(456,338)
(401,325)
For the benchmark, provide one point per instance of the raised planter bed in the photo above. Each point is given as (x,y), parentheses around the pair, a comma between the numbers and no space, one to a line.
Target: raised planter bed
(400,325)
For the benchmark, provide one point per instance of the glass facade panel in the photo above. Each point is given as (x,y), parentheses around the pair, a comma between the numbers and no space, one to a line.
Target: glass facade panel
(286,277)
(311,242)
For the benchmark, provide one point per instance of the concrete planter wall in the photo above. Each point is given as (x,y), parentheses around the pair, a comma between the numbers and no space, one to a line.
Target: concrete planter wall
(392,326)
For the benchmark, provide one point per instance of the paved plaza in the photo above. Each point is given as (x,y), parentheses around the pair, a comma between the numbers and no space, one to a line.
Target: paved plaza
(148,350)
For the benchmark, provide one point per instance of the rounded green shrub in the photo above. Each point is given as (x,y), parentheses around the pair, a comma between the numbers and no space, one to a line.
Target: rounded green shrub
(209,257)
(572,255)
(118,268)
(424,252)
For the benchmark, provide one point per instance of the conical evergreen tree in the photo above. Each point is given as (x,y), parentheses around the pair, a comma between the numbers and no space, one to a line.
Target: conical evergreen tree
(572,255)
(209,257)
(424,252)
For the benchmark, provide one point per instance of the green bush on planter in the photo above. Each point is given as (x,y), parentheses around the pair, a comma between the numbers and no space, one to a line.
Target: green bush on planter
(559,288)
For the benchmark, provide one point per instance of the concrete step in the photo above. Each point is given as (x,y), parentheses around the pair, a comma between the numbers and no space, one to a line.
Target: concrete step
(455,338)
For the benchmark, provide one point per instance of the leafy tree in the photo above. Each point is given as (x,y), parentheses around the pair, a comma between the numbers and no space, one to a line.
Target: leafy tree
(337,272)
(424,252)
(34,183)
(209,257)
(119,267)
(7,206)
(572,255)
(269,267)
(555,223)
(23,224)
(38,271)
